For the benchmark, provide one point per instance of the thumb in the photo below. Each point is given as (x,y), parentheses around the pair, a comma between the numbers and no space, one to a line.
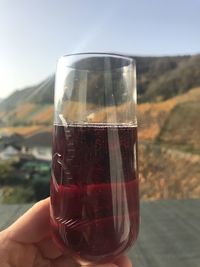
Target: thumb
(33,226)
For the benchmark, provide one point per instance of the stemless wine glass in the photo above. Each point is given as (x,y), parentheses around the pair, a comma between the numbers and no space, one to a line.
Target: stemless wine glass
(94,186)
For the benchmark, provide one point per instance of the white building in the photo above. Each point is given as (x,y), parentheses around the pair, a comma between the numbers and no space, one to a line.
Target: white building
(9,152)
(38,145)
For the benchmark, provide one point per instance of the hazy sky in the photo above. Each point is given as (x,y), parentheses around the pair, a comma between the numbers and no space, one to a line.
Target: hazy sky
(34,33)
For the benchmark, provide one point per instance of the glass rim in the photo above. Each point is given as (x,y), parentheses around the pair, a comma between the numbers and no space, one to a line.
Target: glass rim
(63,59)
(111,54)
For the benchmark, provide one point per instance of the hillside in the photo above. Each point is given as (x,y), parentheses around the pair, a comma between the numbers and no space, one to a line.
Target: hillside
(182,128)
(158,78)
(40,93)
(168,122)
(25,130)
(28,114)
(163,84)
(169,151)
(157,121)
(167,173)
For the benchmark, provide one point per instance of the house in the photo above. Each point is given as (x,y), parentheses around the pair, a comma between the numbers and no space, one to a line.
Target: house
(9,151)
(10,146)
(11,139)
(38,145)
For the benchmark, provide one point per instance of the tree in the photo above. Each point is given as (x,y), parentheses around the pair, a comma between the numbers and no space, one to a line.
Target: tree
(7,173)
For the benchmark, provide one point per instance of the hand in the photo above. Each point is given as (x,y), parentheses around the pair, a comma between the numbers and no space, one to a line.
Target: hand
(28,243)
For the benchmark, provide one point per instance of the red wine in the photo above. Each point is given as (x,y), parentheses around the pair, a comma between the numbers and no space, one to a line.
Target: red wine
(94,190)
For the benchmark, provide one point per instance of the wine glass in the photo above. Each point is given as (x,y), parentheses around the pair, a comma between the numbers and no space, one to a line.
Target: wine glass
(94,185)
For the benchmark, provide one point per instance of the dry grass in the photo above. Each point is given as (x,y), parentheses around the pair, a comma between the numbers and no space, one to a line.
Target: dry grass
(152,116)
(18,114)
(45,116)
(183,126)
(22,111)
(167,173)
(25,131)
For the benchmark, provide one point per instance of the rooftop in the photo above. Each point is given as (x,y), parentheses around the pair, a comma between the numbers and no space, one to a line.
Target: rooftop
(42,139)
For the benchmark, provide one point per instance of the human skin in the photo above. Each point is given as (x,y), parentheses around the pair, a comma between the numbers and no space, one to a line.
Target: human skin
(28,243)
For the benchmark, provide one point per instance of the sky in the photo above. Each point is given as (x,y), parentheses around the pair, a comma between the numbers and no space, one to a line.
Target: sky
(35,33)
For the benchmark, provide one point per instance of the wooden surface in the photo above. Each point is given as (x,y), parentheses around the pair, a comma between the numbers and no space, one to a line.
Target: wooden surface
(169,233)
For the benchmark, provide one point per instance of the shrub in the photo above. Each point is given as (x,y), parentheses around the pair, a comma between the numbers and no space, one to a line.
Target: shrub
(17,194)
(40,186)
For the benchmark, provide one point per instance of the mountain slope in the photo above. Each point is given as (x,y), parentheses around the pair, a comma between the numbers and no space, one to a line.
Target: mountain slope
(158,78)
(168,173)
(175,81)
(183,126)
(174,121)
(41,93)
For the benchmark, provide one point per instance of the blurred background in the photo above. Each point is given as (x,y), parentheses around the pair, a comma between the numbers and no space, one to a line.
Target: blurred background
(163,37)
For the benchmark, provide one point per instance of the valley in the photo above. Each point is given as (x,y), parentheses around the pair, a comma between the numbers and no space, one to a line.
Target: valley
(168,123)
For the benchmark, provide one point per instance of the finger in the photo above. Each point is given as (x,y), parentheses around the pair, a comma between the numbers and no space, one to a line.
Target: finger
(105,265)
(64,261)
(33,226)
(48,249)
(123,261)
